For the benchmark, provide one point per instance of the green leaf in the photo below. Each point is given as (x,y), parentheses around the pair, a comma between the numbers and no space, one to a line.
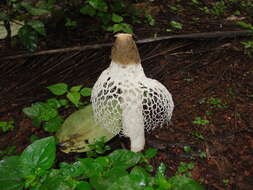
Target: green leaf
(10,176)
(91,168)
(74,170)
(74,97)
(99,5)
(63,102)
(76,88)
(29,37)
(187,148)
(141,175)
(54,103)
(128,182)
(124,158)
(88,10)
(150,153)
(38,155)
(245,25)
(46,112)
(38,26)
(121,27)
(86,92)
(117,18)
(110,176)
(83,185)
(70,23)
(40,111)
(37,12)
(176,25)
(184,183)
(3,123)
(58,89)
(53,125)
(56,181)
(161,170)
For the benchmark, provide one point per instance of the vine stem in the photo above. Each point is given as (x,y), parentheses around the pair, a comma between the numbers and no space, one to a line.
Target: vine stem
(196,36)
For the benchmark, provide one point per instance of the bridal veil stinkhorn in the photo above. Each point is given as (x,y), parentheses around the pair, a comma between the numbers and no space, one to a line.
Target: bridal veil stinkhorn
(124,100)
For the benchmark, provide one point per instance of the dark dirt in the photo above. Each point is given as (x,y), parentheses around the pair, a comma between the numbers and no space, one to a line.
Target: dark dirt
(190,69)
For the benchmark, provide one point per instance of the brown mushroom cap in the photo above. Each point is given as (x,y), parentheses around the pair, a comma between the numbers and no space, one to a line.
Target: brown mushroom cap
(124,50)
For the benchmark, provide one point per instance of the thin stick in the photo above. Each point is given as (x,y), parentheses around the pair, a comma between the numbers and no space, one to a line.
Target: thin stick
(204,35)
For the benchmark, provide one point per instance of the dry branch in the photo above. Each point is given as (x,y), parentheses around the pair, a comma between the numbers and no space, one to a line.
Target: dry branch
(204,35)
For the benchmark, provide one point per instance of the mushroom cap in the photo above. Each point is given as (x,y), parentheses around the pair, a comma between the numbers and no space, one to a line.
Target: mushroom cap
(124,50)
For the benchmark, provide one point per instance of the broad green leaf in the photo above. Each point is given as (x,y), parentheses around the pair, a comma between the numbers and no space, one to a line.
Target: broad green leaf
(10,176)
(91,168)
(38,26)
(99,5)
(103,161)
(184,183)
(127,182)
(117,18)
(83,185)
(53,125)
(110,176)
(58,89)
(124,158)
(150,153)
(79,131)
(140,174)
(74,170)
(56,181)
(88,10)
(86,92)
(29,37)
(45,111)
(38,155)
(163,183)
(76,88)
(74,97)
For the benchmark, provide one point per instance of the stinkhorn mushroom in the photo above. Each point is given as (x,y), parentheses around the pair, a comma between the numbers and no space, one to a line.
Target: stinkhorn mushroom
(124,100)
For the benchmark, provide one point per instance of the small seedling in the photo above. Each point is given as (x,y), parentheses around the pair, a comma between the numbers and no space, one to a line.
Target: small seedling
(176,25)
(6,126)
(187,149)
(199,121)
(197,136)
(184,168)
(73,94)
(202,155)
(225,181)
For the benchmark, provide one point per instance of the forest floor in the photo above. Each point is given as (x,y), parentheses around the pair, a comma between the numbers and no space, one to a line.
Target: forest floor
(211,81)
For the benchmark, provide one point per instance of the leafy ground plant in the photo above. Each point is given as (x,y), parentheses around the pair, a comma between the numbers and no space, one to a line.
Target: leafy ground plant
(6,126)
(119,170)
(47,113)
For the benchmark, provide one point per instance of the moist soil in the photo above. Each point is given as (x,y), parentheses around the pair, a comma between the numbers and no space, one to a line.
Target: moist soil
(195,72)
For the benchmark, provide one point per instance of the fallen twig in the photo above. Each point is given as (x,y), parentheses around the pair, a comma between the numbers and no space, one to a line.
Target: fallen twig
(204,35)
